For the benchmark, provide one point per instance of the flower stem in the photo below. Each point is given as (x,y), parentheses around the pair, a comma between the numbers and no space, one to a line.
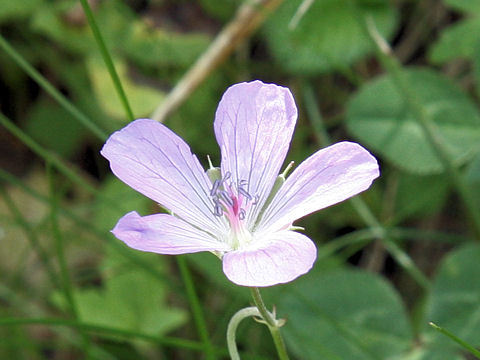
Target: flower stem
(272,323)
(232,329)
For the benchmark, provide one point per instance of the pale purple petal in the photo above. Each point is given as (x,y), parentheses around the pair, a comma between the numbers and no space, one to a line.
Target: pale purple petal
(327,177)
(153,160)
(254,124)
(281,258)
(164,234)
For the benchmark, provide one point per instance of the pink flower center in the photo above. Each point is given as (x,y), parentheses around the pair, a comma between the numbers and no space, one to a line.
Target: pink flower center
(233,201)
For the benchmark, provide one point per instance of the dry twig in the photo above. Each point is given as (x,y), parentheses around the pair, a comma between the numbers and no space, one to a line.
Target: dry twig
(248,18)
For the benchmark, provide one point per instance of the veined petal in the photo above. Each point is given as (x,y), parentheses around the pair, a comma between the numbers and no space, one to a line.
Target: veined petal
(281,258)
(254,124)
(164,234)
(153,160)
(327,177)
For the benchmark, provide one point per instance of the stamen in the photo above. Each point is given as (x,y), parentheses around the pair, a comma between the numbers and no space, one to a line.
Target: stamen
(217,210)
(223,195)
(244,193)
(216,185)
(228,197)
(241,214)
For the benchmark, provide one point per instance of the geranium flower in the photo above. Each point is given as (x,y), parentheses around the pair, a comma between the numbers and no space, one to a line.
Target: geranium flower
(235,211)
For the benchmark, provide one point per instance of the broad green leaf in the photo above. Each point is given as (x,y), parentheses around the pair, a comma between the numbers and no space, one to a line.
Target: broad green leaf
(53,127)
(457,41)
(461,38)
(419,195)
(159,48)
(379,118)
(130,299)
(344,314)
(13,10)
(143,99)
(329,35)
(454,302)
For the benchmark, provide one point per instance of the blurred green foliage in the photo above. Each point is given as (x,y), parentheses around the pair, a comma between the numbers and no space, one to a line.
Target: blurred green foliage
(361,300)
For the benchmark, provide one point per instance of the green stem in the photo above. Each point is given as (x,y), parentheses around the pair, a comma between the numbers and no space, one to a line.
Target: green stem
(400,256)
(429,128)
(314,115)
(164,341)
(54,160)
(54,93)
(107,58)
(31,236)
(64,272)
(273,324)
(198,316)
(232,329)
(459,341)
(87,226)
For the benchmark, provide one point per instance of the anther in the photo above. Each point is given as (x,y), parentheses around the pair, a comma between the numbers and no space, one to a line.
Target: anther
(216,185)
(241,214)
(244,192)
(223,195)
(218,211)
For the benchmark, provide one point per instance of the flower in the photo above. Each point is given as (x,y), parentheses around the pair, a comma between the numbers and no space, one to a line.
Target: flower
(242,211)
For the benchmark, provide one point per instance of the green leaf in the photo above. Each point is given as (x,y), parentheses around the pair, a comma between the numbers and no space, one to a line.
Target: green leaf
(113,17)
(107,216)
(454,303)
(142,98)
(49,21)
(223,10)
(329,35)
(13,10)
(344,314)
(419,195)
(457,41)
(378,116)
(472,6)
(131,300)
(460,39)
(158,48)
(194,120)
(53,128)
(421,353)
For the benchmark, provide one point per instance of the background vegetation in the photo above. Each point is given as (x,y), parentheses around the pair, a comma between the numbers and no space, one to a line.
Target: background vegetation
(389,261)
